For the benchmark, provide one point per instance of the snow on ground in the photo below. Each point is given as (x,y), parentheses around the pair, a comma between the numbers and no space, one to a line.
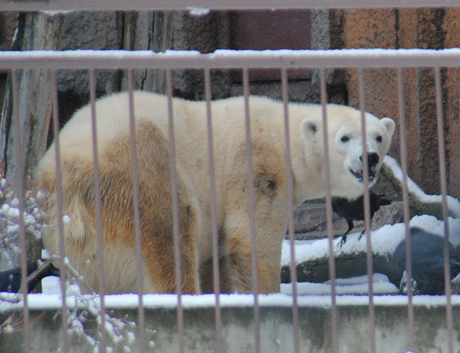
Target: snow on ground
(384,240)
(355,285)
(131,301)
(51,285)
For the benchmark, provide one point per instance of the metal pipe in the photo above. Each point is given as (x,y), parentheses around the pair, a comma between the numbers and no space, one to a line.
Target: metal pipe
(137,216)
(201,6)
(290,210)
(20,194)
(60,210)
(344,58)
(329,212)
(175,212)
(252,211)
(213,203)
(367,211)
(445,212)
(98,207)
(405,197)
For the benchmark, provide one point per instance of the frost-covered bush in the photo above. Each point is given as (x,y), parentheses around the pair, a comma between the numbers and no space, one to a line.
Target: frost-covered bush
(120,333)
(10,249)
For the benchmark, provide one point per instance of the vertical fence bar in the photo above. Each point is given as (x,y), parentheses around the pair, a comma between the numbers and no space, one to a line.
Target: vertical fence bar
(20,193)
(405,196)
(137,216)
(60,207)
(445,213)
(290,209)
(215,235)
(252,221)
(367,212)
(175,204)
(329,212)
(98,207)
(406,211)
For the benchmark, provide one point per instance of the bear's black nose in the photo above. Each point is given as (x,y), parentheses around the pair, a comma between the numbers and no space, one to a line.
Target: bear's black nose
(373,159)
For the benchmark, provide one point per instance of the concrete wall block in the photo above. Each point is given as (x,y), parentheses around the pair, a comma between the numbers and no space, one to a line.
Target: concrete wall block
(204,33)
(373,29)
(410,87)
(407,28)
(299,91)
(392,332)
(452,112)
(8,24)
(430,31)
(370,28)
(90,30)
(451,87)
(380,89)
(427,155)
(421,112)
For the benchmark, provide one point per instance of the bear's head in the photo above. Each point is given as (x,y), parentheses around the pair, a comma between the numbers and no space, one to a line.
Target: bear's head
(346,145)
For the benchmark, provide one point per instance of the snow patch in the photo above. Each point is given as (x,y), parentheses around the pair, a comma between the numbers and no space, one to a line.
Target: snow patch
(384,240)
(66,219)
(452,202)
(169,301)
(356,285)
(198,11)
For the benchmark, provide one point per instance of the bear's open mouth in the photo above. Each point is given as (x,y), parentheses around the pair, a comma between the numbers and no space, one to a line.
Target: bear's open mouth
(359,175)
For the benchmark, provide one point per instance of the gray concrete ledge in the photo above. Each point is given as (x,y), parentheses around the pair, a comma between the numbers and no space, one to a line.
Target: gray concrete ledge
(276,328)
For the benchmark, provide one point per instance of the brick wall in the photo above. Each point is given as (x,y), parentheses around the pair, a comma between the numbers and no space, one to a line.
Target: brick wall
(409,28)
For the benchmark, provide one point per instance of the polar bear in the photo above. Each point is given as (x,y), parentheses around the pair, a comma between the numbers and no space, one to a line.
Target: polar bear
(193,185)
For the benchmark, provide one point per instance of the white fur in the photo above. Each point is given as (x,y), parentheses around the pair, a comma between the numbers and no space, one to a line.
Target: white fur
(232,207)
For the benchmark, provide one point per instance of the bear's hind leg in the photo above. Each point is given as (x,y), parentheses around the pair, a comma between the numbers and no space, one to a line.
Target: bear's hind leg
(159,252)
(157,215)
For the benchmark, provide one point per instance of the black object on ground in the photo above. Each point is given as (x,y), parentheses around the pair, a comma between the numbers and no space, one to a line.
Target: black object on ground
(10,281)
(427,262)
(353,210)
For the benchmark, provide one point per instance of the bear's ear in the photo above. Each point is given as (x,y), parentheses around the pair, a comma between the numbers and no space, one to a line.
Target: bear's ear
(390,125)
(309,127)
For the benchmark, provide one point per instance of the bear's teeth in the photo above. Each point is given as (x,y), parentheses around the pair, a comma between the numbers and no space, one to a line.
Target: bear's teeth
(359,175)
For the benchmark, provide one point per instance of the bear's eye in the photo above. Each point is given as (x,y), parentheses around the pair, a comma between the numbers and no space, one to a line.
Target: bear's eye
(345,138)
(379,138)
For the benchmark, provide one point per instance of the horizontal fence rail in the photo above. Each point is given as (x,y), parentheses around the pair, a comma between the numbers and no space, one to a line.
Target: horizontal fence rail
(139,5)
(349,58)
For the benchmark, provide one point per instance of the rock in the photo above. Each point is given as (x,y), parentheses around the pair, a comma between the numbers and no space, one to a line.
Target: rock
(310,220)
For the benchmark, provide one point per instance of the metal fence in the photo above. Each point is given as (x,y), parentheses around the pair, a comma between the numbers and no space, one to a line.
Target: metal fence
(226,59)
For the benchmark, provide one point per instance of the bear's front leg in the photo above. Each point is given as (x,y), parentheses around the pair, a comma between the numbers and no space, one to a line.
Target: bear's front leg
(269,237)
(268,266)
